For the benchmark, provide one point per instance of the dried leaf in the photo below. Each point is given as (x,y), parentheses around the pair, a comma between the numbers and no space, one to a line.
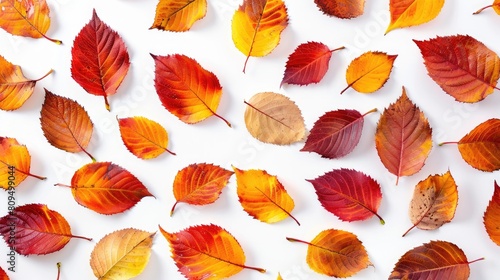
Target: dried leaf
(273,118)
(187,90)
(199,184)
(491,216)
(262,196)
(462,66)
(348,194)
(15,89)
(66,124)
(121,255)
(206,252)
(34,229)
(403,138)
(106,188)
(434,202)
(100,60)
(369,72)
(341,8)
(495,6)
(336,253)
(433,260)
(29,18)
(257,27)
(144,138)
(307,64)
(336,133)
(178,15)
(406,13)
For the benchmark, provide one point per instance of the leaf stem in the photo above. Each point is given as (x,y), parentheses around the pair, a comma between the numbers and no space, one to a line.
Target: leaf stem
(58,270)
(44,76)
(382,222)
(476,260)
(106,103)
(369,112)
(58,42)
(297,240)
(346,88)
(173,208)
(482,9)
(63,185)
(88,154)
(218,116)
(444,143)
(337,49)
(81,237)
(170,152)
(261,270)
(29,174)
(404,234)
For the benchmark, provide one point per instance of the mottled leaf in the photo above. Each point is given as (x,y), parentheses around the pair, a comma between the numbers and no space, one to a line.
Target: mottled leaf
(178,15)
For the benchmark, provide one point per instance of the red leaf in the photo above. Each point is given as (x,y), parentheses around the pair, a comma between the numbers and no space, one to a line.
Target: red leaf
(3,275)
(491,216)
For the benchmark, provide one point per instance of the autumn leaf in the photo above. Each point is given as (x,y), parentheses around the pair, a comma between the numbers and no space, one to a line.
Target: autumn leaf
(279,277)
(434,202)
(100,60)
(34,229)
(3,275)
(178,15)
(336,133)
(29,18)
(66,124)
(462,66)
(348,194)
(307,64)
(15,89)
(273,118)
(433,260)
(341,8)
(403,138)
(106,188)
(144,138)
(257,27)
(206,251)
(199,184)
(491,216)
(122,254)
(262,196)
(406,13)
(336,253)
(186,89)
(369,72)
(480,148)
(495,6)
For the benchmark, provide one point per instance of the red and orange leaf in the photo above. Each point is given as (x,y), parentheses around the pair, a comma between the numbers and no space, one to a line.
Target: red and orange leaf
(186,89)
(341,8)
(144,138)
(15,89)
(206,252)
(257,27)
(100,59)
(406,13)
(34,229)
(29,18)
(462,66)
(348,194)
(106,188)
(433,260)
(200,184)
(262,196)
(307,64)
(491,216)
(336,133)
(495,6)
(403,138)
(66,124)
(3,275)
(178,15)
(336,253)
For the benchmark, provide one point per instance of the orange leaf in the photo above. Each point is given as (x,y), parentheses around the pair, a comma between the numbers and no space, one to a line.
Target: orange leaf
(122,254)
(462,66)
(406,13)
(178,15)
(491,216)
(34,229)
(186,89)
(257,27)
(66,124)
(262,196)
(106,188)
(495,6)
(279,277)
(434,202)
(336,253)
(199,184)
(29,18)
(206,252)
(341,8)
(144,138)
(369,72)
(3,275)
(403,138)
(434,260)
(15,89)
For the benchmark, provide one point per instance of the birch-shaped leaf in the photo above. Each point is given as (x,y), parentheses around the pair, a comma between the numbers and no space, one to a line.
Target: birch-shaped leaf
(3,275)
(495,6)
(406,13)
(491,216)
(341,8)
(178,15)
(262,196)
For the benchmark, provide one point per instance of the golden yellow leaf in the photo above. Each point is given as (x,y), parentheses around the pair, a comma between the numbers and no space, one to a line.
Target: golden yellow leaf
(406,13)
(179,15)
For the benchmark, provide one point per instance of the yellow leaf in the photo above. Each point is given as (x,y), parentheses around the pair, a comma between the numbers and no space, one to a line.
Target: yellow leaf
(406,13)
(179,15)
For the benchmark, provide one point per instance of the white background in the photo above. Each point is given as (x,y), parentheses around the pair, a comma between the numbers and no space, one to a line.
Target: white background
(210,43)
